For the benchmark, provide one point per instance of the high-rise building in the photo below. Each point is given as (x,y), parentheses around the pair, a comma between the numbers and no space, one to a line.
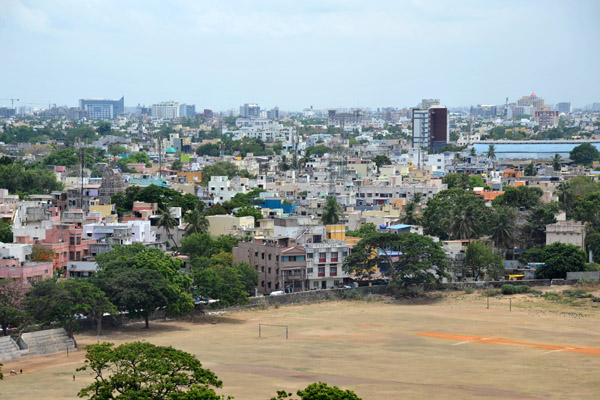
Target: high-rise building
(187,110)
(250,111)
(428,103)
(165,110)
(564,107)
(102,108)
(532,101)
(273,113)
(430,127)
(208,113)
(439,124)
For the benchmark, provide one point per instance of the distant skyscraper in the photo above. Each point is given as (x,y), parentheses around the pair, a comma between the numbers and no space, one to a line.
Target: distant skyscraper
(102,108)
(250,111)
(273,113)
(430,127)
(187,110)
(532,101)
(165,110)
(427,103)
(564,107)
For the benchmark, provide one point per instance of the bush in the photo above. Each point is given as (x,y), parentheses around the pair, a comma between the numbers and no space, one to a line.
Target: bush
(512,289)
(577,294)
(492,292)
(469,290)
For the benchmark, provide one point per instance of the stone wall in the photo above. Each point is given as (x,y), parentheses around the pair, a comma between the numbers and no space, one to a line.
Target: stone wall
(317,295)
(591,275)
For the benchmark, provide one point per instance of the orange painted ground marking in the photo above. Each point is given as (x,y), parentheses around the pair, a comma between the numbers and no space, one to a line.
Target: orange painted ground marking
(553,348)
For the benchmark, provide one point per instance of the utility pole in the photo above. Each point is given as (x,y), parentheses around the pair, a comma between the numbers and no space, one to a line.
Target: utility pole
(160,156)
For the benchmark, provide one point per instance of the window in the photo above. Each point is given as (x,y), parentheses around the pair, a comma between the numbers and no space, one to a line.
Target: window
(269,271)
(262,269)
(269,257)
(334,256)
(322,257)
(321,271)
(332,271)
(262,283)
(309,270)
(269,285)
(262,255)
(309,256)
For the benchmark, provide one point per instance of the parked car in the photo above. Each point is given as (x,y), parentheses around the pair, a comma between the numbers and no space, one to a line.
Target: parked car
(277,293)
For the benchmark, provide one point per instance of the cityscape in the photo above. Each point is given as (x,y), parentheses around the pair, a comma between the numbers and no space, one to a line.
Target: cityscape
(318,231)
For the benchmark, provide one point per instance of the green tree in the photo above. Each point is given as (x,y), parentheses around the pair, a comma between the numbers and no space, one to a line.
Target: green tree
(557,162)
(410,216)
(364,230)
(533,255)
(584,154)
(209,149)
(534,230)
(331,212)
(201,245)
(520,196)
(196,222)
(219,277)
(502,228)
(530,170)
(50,301)
(319,391)
(11,304)
(167,221)
(588,211)
(491,153)
(6,234)
(176,165)
(139,280)
(484,263)
(566,199)
(381,160)
(456,214)
(592,243)
(317,150)
(141,370)
(252,212)
(560,258)
(406,259)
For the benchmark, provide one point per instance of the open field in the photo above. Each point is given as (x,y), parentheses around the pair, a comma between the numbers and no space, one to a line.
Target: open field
(451,348)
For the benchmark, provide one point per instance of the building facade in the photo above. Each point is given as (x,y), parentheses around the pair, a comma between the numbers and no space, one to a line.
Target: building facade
(166,110)
(102,108)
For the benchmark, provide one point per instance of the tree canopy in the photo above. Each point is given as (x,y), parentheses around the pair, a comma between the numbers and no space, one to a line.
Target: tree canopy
(331,212)
(520,196)
(406,258)
(560,258)
(584,154)
(141,370)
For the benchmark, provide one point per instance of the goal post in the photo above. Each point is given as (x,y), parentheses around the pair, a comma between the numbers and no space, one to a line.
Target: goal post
(260,328)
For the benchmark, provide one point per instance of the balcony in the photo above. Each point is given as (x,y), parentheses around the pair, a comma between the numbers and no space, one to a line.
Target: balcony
(333,274)
(322,260)
(334,260)
(321,274)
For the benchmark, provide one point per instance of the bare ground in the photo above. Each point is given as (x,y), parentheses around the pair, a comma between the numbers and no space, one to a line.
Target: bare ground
(450,348)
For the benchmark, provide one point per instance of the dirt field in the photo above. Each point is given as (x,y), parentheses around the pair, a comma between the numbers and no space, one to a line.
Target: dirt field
(451,348)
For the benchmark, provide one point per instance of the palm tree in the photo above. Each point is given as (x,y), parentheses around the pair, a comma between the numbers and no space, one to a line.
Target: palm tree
(196,222)
(503,231)
(167,221)
(564,191)
(473,153)
(556,162)
(331,212)
(417,197)
(491,153)
(410,215)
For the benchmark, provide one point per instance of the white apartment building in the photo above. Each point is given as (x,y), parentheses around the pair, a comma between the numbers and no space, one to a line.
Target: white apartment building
(221,189)
(324,264)
(165,110)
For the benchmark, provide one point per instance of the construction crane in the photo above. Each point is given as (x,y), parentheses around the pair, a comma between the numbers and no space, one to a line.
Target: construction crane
(12,102)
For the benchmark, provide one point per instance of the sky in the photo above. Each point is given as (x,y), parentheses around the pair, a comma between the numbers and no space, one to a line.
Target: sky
(299,53)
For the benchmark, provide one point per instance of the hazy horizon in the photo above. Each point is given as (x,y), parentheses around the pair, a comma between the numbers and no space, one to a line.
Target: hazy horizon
(296,54)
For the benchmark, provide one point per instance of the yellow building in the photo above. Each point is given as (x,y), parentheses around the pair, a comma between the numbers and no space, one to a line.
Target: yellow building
(230,225)
(338,232)
(106,211)
(190,177)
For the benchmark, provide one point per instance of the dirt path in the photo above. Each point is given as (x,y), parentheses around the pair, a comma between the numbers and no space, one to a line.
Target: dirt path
(494,340)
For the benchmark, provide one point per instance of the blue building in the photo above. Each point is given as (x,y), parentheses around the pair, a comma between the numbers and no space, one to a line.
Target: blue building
(532,149)
(103,108)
